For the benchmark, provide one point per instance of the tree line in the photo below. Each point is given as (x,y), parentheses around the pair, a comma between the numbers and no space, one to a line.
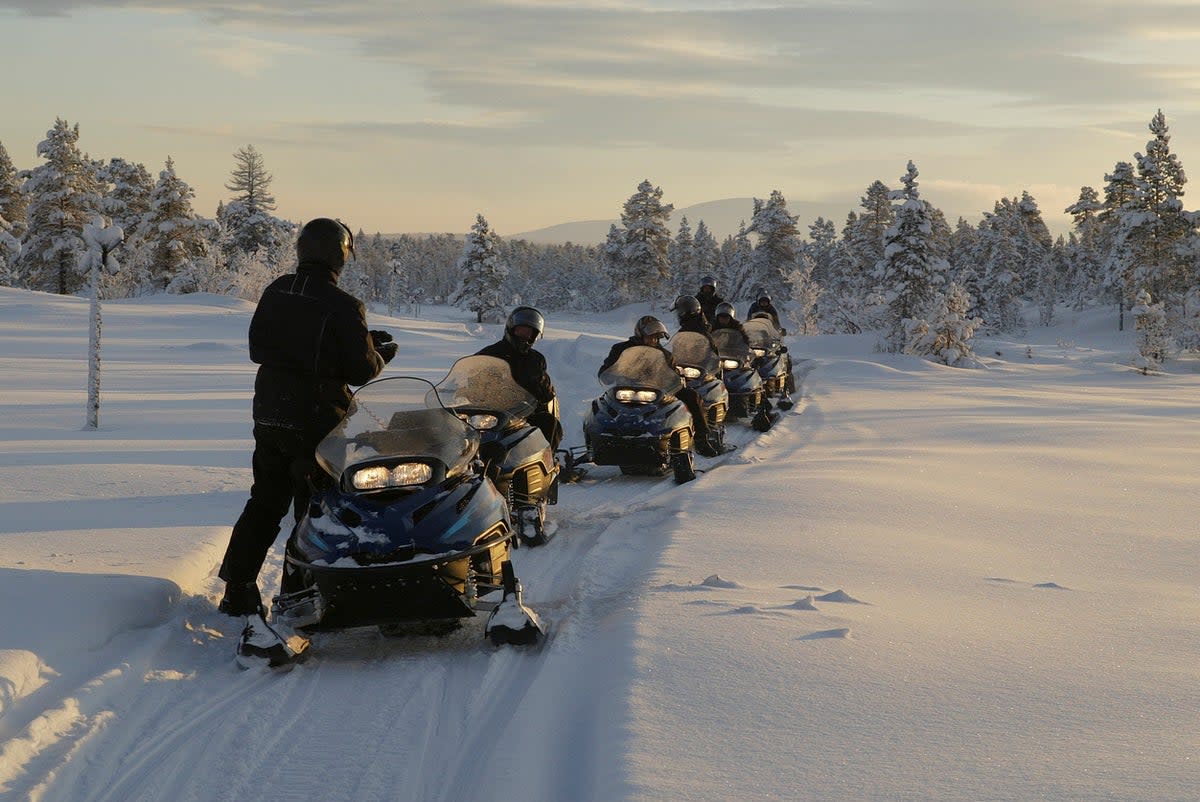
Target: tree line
(895,267)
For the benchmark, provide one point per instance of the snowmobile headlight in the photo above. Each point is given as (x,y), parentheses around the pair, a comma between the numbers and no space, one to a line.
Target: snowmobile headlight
(690,372)
(639,396)
(379,477)
(759,351)
(730,364)
(482,421)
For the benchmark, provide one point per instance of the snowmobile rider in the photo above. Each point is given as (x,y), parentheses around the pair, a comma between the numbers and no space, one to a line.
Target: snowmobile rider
(763,304)
(310,340)
(650,331)
(789,384)
(726,318)
(524,325)
(690,315)
(708,297)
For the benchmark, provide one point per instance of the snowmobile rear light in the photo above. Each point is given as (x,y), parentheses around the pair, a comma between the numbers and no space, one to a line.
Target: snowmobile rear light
(629,395)
(690,372)
(482,422)
(730,364)
(380,477)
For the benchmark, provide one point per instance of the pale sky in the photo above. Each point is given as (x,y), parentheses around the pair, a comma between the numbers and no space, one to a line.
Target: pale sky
(416,116)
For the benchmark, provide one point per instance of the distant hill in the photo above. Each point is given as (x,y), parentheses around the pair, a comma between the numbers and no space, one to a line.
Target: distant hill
(721,216)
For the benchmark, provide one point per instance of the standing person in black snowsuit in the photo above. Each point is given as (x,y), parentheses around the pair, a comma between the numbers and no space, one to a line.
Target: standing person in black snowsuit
(708,298)
(310,340)
(650,331)
(524,325)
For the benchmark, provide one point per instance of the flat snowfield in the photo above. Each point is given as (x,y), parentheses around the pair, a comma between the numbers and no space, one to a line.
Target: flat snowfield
(924,583)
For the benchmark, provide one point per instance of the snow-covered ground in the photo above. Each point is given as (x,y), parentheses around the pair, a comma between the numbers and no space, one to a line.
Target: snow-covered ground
(925,583)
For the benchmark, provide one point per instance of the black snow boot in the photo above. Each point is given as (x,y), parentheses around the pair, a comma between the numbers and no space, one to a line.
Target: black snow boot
(241,598)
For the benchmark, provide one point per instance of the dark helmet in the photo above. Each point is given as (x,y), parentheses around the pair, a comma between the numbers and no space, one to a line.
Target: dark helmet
(326,242)
(708,281)
(763,298)
(648,325)
(523,316)
(725,308)
(685,305)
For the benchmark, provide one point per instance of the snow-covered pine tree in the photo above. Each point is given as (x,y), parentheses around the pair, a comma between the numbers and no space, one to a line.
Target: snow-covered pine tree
(777,251)
(483,274)
(910,274)
(1152,339)
(708,258)
(804,293)
(247,224)
(863,240)
(12,202)
(1085,249)
(682,255)
(175,255)
(737,260)
(1120,190)
(63,197)
(636,253)
(1154,224)
(946,336)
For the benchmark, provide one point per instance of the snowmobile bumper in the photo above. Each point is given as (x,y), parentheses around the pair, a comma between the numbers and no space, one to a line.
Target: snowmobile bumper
(428,587)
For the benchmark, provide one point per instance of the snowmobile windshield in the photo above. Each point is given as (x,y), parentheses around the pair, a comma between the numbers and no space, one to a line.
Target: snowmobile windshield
(695,350)
(485,383)
(762,333)
(643,366)
(392,418)
(731,344)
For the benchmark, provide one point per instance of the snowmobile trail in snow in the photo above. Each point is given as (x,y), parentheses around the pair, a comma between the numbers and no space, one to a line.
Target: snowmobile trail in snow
(365,715)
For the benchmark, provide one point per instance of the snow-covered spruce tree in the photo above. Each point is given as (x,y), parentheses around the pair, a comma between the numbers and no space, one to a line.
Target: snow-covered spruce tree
(1085,249)
(10,254)
(175,241)
(708,258)
(1153,224)
(909,274)
(862,240)
(12,202)
(63,197)
(804,293)
(636,253)
(737,260)
(1152,339)
(777,251)
(682,255)
(1120,191)
(483,274)
(101,239)
(247,224)
(946,335)
(1002,285)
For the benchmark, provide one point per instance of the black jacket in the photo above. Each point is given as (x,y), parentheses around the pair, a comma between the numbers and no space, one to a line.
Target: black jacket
(769,309)
(709,303)
(528,369)
(615,352)
(310,340)
(736,325)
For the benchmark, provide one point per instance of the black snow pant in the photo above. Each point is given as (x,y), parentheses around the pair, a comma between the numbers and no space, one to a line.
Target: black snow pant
(284,466)
(695,405)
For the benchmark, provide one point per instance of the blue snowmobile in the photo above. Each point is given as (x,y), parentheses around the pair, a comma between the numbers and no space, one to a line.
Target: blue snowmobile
(409,534)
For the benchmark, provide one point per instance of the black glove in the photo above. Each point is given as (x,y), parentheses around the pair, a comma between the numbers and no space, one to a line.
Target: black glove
(378,338)
(387,351)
